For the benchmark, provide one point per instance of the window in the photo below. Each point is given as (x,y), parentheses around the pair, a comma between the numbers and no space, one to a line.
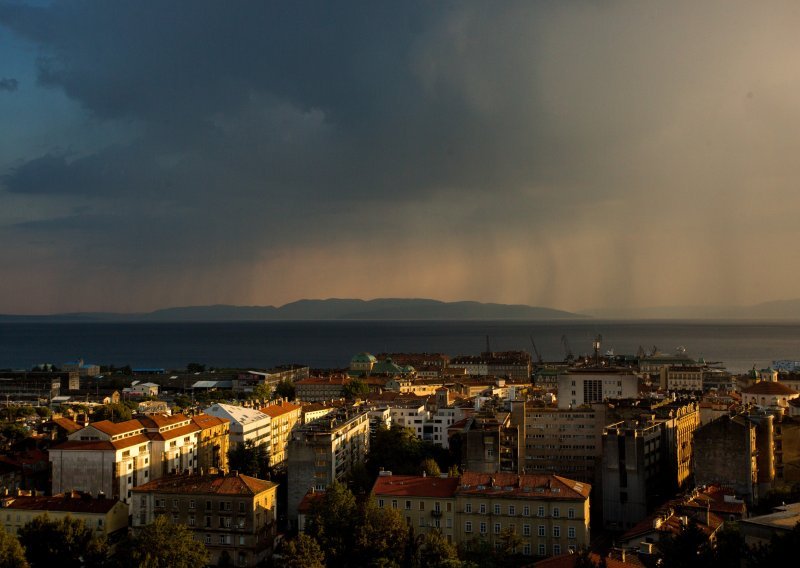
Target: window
(208,505)
(449,507)
(526,530)
(208,521)
(482,509)
(542,550)
(468,508)
(526,511)
(526,550)
(174,503)
(497,509)
(207,539)
(242,507)
(556,531)
(449,522)
(541,511)
(408,505)
(541,530)
(394,503)
(191,520)
(497,528)
(571,532)
(422,505)
(570,513)
(483,528)
(380,503)
(468,526)
(512,510)
(556,549)
(191,504)
(556,513)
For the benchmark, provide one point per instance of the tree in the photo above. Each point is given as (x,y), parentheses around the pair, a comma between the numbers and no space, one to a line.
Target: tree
(302,552)
(433,550)
(12,555)
(65,542)
(687,549)
(381,535)
(356,388)
(195,368)
(116,412)
(162,544)
(250,459)
(260,392)
(284,389)
(430,467)
(332,523)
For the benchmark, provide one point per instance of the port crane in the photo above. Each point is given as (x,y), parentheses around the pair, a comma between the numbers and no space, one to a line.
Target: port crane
(567,349)
(538,355)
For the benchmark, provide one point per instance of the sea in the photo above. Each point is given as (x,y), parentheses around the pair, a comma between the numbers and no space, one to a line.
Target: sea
(737,345)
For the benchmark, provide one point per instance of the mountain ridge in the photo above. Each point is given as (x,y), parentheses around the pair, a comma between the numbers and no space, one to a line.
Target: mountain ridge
(319,309)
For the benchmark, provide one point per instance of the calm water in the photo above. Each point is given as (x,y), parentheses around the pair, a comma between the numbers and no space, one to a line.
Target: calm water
(325,344)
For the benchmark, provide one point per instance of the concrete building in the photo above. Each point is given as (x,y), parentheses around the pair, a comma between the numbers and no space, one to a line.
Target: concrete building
(105,517)
(549,513)
(587,385)
(83,369)
(725,454)
(321,389)
(246,424)
(232,515)
(361,364)
(103,457)
(325,451)
(566,442)
(760,530)
(634,472)
(284,417)
(173,444)
(244,383)
(213,443)
(36,386)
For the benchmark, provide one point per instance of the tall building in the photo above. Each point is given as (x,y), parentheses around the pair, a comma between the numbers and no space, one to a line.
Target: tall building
(587,385)
(232,515)
(324,451)
(284,417)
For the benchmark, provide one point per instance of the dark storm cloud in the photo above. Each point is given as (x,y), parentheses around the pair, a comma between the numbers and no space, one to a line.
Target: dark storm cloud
(539,141)
(8,84)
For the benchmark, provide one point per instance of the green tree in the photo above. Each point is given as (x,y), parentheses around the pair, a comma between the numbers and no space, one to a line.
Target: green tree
(195,368)
(162,544)
(116,412)
(284,389)
(433,550)
(381,535)
(302,552)
(261,391)
(430,467)
(65,542)
(356,388)
(332,522)
(12,555)
(249,459)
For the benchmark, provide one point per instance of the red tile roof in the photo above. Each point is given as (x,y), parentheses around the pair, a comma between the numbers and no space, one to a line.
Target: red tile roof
(769,387)
(69,425)
(414,486)
(161,420)
(190,428)
(115,429)
(231,484)
(71,503)
(528,485)
(276,410)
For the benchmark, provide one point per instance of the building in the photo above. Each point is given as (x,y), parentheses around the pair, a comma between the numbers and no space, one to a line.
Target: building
(213,443)
(103,457)
(634,472)
(232,515)
(105,517)
(549,513)
(587,385)
(83,369)
(566,442)
(173,444)
(321,389)
(245,382)
(325,451)
(41,386)
(246,424)
(760,530)
(284,417)
(725,454)
(361,364)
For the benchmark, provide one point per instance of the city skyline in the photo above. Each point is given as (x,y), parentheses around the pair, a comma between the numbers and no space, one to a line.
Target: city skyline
(565,155)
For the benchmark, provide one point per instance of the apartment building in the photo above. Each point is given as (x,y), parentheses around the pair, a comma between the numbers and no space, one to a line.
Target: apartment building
(284,417)
(173,443)
(325,451)
(549,513)
(246,424)
(587,385)
(233,515)
(213,440)
(561,441)
(105,517)
(321,389)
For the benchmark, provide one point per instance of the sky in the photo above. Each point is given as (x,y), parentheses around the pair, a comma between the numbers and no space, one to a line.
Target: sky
(571,155)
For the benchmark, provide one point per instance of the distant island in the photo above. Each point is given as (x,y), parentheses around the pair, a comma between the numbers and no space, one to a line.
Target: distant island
(329,309)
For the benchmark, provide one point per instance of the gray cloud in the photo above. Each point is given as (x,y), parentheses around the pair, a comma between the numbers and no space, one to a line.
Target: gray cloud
(8,84)
(537,141)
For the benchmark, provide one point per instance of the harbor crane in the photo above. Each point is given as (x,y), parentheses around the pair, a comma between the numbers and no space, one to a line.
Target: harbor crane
(538,355)
(568,356)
